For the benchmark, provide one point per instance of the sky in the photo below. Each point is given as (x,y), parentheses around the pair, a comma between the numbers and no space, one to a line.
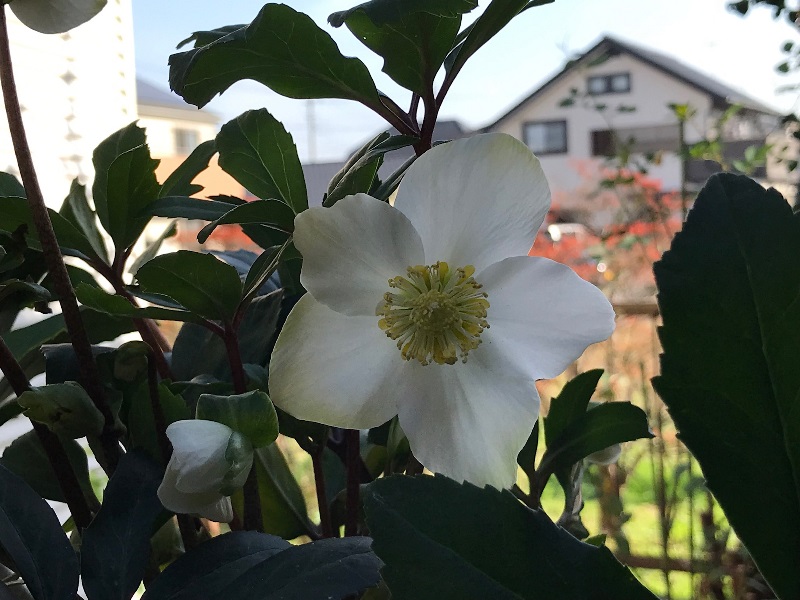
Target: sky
(741,52)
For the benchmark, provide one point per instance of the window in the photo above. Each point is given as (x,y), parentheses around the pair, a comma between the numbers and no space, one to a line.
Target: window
(186,140)
(618,83)
(635,139)
(546,137)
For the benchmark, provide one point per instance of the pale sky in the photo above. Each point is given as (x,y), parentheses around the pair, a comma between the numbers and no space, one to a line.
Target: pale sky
(741,52)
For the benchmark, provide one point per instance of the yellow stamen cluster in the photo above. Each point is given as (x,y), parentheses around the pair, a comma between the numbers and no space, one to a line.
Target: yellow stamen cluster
(436,314)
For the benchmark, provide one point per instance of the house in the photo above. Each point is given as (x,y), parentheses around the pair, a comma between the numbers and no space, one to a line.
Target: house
(619,93)
(75,89)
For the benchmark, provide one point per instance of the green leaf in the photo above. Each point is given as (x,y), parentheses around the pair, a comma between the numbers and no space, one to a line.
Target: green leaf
(32,536)
(413,38)
(251,414)
(55,16)
(282,49)
(598,428)
(139,419)
(150,252)
(190,208)
(15,212)
(203,38)
(731,334)
(271,213)
(256,150)
(179,183)
(111,304)
(283,508)
(10,186)
(26,293)
(571,404)
(358,173)
(262,269)
(210,568)
(65,408)
(526,458)
(418,530)
(124,185)
(116,546)
(77,211)
(26,457)
(202,283)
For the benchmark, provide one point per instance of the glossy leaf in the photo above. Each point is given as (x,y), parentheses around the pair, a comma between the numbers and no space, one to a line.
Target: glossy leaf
(210,567)
(203,284)
(150,252)
(111,304)
(179,182)
(271,213)
(26,457)
(282,49)
(31,534)
(418,530)
(77,211)
(190,208)
(258,152)
(571,404)
(55,16)
(598,428)
(116,546)
(251,414)
(124,184)
(283,508)
(413,38)
(10,186)
(731,336)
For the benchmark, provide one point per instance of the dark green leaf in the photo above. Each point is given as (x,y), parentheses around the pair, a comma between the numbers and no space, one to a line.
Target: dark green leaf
(526,458)
(10,186)
(111,304)
(77,211)
(333,569)
(179,183)
(116,546)
(203,284)
(256,150)
(124,184)
(203,38)
(272,213)
(26,293)
(262,269)
(358,173)
(190,208)
(65,408)
(413,38)
(138,417)
(210,568)
(251,414)
(283,507)
(417,526)
(607,424)
(282,49)
(150,252)
(571,404)
(31,534)
(26,457)
(728,296)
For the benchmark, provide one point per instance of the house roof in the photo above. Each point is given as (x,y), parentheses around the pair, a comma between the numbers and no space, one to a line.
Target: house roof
(721,94)
(147,93)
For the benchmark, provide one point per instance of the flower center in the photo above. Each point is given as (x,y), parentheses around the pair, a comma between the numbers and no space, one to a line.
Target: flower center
(435,313)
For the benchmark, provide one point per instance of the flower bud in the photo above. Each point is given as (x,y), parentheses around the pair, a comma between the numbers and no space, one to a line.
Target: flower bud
(65,408)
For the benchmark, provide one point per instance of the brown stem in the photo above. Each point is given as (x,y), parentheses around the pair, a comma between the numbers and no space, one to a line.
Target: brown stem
(353,482)
(52,253)
(428,123)
(65,475)
(322,494)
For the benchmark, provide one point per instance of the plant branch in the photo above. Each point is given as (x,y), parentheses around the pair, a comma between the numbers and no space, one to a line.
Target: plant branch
(65,475)
(52,253)
(322,494)
(428,122)
(353,481)
(391,113)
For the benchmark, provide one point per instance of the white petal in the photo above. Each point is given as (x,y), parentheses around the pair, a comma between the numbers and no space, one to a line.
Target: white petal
(220,510)
(475,201)
(468,421)
(198,456)
(333,369)
(351,250)
(186,503)
(542,316)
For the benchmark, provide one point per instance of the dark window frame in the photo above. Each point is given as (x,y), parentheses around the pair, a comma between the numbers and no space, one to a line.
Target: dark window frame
(185,139)
(607,87)
(562,122)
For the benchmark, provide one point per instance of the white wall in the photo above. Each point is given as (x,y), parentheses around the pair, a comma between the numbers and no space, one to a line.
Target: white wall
(651,92)
(76,89)
(161,123)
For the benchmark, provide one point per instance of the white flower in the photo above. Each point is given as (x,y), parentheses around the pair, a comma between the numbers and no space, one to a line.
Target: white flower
(209,461)
(432,310)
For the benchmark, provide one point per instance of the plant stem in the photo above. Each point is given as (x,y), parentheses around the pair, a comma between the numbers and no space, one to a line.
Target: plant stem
(52,253)
(353,481)
(252,519)
(428,123)
(65,475)
(159,421)
(322,495)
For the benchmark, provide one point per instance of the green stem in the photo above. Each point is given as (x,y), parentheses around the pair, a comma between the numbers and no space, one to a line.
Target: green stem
(322,495)
(65,475)
(52,253)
